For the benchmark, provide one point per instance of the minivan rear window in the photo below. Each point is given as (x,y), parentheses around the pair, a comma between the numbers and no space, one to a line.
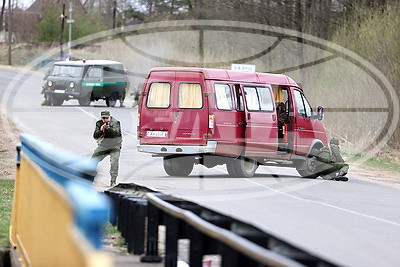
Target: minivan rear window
(190,95)
(159,95)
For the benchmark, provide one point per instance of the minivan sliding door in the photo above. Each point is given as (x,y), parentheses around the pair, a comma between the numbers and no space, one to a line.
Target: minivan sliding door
(261,132)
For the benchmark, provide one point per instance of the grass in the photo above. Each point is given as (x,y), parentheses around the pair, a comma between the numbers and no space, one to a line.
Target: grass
(6,197)
(113,237)
(381,162)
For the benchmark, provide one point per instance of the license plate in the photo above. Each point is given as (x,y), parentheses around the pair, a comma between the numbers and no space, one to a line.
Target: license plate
(59,91)
(156,134)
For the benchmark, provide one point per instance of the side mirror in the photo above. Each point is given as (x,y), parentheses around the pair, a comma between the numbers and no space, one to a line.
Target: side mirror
(320,113)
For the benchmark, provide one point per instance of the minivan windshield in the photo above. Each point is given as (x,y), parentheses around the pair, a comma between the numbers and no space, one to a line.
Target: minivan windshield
(67,71)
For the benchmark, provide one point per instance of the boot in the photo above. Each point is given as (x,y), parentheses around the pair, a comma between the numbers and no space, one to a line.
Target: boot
(341,177)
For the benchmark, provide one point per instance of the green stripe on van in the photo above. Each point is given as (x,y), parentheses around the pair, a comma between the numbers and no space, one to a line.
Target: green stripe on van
(102,84)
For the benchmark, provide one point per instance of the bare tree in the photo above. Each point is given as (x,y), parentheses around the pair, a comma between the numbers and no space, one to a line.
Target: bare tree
(2,15)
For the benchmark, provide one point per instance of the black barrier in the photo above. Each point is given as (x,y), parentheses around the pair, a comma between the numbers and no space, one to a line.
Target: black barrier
(209,232)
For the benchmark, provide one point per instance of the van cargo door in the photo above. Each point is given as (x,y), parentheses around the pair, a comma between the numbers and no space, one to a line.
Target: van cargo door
(190,124)
(174,109)
(156,113)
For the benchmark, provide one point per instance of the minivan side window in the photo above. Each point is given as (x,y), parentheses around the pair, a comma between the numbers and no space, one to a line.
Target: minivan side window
(251,98)
(190,95)
(94,72)
(223,96)
(159,95)
(258,98)
(265,97)
(303,107)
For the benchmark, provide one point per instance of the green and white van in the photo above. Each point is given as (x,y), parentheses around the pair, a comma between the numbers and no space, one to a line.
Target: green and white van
(86,81)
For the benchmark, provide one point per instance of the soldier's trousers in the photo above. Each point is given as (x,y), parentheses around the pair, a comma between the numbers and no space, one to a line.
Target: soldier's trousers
(101,152)
(333,167)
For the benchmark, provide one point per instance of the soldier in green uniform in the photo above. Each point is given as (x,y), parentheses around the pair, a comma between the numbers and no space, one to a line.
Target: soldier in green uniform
(331,162)
(109,139)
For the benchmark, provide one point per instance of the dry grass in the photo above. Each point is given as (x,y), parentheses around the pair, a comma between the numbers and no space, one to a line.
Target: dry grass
(8,154)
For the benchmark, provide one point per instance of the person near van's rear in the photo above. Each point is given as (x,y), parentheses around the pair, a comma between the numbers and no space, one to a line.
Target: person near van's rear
(109,140)
(331,162)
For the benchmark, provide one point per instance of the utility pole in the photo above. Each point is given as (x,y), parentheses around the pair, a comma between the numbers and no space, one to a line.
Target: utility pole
(9,31)
(114,14)
(62,32)
(70,21)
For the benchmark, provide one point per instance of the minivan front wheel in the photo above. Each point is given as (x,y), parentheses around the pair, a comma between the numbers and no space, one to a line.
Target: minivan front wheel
(308,167)
(84,101)
(178,166)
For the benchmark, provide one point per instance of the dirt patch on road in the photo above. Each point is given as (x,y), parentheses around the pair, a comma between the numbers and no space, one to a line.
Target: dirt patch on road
(374,174)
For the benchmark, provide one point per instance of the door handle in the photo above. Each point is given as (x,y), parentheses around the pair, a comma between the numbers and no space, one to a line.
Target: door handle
(242,123)
(301,128)
(248,116)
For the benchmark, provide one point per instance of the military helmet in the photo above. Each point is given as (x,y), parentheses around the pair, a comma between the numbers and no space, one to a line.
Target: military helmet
(334,141)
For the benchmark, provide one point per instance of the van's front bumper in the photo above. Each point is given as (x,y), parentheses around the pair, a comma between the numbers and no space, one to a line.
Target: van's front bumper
(211,147)
(63,93)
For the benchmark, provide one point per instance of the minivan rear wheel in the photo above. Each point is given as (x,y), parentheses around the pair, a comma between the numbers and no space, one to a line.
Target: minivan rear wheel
(242,167)
(178,166)
(230,167)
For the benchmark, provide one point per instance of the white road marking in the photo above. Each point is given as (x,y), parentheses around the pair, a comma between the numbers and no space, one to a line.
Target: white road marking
(325,204)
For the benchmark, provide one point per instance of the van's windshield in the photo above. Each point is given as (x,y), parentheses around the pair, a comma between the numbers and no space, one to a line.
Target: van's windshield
(68,71)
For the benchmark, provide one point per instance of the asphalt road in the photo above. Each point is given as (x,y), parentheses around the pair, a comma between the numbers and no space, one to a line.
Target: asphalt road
(356,223)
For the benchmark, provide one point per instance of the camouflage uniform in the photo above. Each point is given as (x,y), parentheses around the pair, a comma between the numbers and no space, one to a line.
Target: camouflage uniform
(109,143)
(330,162)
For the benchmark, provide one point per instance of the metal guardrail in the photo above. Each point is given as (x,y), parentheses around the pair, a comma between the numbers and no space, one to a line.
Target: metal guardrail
(57,217)
(238,243)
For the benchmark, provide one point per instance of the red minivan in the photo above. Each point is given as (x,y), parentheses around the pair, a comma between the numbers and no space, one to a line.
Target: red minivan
(213,116)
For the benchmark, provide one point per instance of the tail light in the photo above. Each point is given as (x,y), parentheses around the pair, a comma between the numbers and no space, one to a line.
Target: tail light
(138,119)
(211,121)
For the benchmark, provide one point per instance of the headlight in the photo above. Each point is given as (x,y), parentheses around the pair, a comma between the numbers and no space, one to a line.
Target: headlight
(71,84)
(49,83)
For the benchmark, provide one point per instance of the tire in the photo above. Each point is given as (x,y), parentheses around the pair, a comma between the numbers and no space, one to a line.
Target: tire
(242,167)
(112,100)
(178,166)
(231,168)
(308,167)
(84,101)
(47,100)
(57,101)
